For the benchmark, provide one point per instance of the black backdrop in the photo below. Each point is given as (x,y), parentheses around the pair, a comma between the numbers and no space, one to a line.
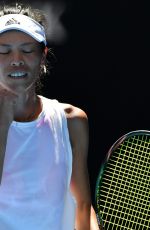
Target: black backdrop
(103,67)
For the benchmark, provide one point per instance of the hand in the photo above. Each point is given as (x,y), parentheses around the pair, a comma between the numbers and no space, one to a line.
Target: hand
(8,99)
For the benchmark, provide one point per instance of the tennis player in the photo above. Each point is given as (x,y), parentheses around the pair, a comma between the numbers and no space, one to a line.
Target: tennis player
(43,143)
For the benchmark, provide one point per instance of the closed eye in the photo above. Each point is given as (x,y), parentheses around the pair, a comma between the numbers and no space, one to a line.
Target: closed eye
(4,49)
(27,51)
(4,52)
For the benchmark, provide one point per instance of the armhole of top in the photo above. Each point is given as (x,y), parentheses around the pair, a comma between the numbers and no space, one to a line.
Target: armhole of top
(67,138)
(68,144)
(56,105)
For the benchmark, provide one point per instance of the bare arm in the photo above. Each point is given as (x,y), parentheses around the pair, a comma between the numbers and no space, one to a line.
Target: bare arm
(80,187)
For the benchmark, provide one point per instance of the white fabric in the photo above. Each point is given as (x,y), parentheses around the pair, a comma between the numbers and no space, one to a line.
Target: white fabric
(35,190)
(23,23)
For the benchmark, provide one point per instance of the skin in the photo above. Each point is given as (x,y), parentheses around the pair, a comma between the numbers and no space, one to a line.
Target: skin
(80,187)
(17,48)
(18,101)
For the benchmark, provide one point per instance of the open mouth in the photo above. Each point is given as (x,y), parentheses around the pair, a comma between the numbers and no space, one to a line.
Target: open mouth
(17,75)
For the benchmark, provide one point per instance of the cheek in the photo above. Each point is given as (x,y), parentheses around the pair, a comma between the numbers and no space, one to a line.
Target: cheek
(3,67)
(34,63)
(36,67)
(3,62)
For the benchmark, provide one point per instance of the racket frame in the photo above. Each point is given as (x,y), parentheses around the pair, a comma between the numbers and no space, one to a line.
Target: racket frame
(109,153)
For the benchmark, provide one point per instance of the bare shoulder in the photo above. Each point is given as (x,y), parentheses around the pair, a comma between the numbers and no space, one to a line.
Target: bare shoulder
(73,112)
(77,122)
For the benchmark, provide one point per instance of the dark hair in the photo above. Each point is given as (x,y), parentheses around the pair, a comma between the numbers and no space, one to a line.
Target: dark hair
(40,17)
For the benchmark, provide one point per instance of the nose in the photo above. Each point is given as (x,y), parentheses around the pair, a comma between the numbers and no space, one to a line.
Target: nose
(17,63)
(17,59)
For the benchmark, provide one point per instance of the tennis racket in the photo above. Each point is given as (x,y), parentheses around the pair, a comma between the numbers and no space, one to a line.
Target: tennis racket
(123,185)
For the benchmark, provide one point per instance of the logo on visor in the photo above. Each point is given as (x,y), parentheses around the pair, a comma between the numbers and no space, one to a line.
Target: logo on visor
(12,21)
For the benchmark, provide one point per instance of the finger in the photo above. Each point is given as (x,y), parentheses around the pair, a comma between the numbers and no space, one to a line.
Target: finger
(6,90)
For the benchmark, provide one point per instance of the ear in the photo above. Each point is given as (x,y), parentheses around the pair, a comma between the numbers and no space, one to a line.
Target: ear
(46,50)
(44,54)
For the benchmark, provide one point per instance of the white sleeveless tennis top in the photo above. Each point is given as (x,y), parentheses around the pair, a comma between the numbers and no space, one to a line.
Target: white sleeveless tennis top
(35,190)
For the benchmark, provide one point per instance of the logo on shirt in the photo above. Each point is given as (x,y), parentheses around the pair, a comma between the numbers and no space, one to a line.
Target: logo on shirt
(12,21)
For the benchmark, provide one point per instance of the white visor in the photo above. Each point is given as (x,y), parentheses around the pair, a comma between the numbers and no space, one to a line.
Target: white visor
(23,23)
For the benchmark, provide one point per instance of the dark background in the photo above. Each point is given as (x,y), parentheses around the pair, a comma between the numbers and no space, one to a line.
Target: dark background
(103,67)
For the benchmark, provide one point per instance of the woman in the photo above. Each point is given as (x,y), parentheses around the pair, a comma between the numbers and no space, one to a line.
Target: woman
(43,143)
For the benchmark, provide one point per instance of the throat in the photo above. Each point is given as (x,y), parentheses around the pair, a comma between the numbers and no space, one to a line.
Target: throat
(30,113)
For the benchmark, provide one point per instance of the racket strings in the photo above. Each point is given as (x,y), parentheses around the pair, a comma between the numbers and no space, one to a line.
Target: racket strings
(123,197)
(108,178)
(136,193)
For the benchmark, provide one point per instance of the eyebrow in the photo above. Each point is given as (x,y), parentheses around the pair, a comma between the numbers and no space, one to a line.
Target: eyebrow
(22,44)
(5,45)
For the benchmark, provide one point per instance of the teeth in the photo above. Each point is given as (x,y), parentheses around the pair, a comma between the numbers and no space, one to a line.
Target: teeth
(17,74)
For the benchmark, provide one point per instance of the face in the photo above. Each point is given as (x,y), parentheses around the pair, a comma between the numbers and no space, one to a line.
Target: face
(20,60)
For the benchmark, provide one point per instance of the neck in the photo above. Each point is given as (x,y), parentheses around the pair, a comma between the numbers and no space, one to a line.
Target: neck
(27,108)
